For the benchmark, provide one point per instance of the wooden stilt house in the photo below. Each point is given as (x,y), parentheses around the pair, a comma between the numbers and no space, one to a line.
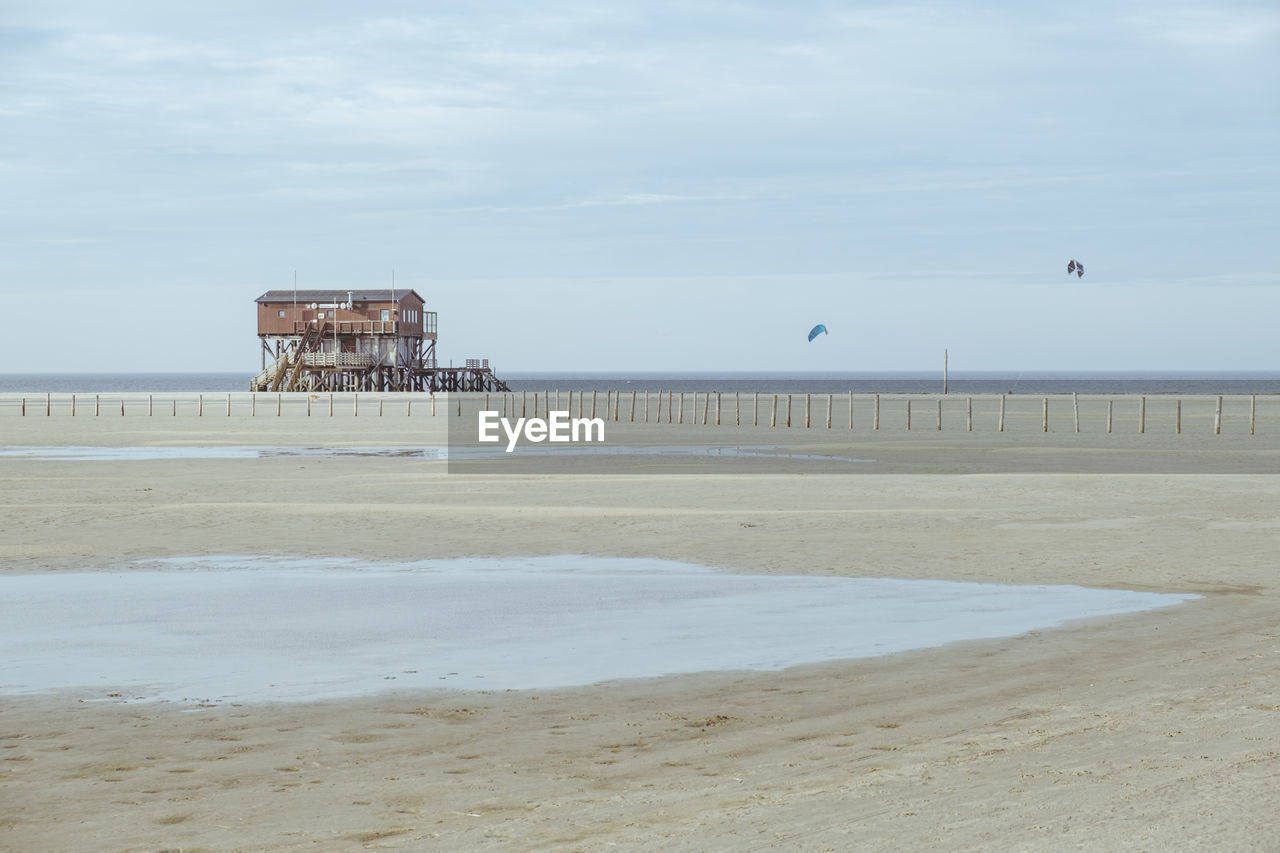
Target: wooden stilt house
(355,340)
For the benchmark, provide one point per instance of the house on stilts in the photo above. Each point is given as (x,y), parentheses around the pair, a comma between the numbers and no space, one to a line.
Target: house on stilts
(356,340)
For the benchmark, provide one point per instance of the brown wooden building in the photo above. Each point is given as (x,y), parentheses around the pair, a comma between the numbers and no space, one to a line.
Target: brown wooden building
(355,340)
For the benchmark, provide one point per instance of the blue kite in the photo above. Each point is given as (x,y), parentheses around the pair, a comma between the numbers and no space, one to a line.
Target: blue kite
(817,330)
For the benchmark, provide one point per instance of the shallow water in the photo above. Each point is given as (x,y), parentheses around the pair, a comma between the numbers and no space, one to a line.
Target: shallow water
(271,629)
(154,453)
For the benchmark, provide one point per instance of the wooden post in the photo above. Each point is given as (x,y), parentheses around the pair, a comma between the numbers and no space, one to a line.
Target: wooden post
(808,400)
(1178,423)
(828,411)
(773,420)
(737,408)
(408,408)
(850,410)
(122,405)
(939,416)
(253,405)
(670,399)
(175,407)
(308,405)
(96,403)
(646,404)
(150,405)
(228,405)
(1142,415)
(875,417)
(278,402)
(380,407)
(969,422)
(48,404)
(1045,417)
(706,406)
(200,406)
(680,417)
(1075,409)
(24,407)
(459,404)
(1253,411)
(718,408)
(593,403)
(486,401)
(1217,417)
(788,410)
(433,405)
(524,405)
(633,405)
(330,404)
(73,405)
(908,414)
(1110,404)
(1001,427)
(755,409)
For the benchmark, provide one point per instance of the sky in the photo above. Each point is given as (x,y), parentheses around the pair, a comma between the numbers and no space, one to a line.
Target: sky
(683,186)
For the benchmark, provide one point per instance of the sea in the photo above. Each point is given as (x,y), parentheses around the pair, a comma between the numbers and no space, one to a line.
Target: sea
(905,382)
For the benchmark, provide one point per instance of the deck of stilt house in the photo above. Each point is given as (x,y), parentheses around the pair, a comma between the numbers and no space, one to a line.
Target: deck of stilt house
(357,340)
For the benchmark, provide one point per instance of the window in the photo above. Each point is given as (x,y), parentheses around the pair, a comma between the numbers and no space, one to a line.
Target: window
(320,315)
(386,315)
(281,314)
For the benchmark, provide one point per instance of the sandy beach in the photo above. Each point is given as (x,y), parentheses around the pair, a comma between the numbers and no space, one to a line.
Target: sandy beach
(1152,731)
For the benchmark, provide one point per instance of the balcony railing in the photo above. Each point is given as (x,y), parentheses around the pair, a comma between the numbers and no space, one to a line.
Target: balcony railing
(364,327)
(337,359)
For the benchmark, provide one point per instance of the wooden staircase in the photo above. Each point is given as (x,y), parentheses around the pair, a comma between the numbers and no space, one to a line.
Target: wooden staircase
(310,343)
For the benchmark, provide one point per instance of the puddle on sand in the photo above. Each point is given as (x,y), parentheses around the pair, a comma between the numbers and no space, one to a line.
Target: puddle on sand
(273,629)
(155,453)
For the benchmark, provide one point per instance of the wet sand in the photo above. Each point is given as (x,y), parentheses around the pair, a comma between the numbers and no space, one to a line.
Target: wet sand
(1139,732)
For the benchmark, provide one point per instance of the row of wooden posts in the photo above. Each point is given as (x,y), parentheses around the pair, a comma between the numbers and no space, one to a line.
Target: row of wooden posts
(675,402)
(613,403)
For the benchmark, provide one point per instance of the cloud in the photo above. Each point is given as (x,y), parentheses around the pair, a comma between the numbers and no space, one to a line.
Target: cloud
(616,142)
(1212,26)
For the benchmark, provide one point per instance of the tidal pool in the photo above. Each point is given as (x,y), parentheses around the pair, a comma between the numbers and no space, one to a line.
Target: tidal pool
(138,453)
(265,629)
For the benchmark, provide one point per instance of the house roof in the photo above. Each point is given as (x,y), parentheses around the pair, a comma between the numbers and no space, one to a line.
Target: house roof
(308,296)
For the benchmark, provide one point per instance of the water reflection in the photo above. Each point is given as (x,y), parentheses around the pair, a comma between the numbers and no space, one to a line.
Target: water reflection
(440,453)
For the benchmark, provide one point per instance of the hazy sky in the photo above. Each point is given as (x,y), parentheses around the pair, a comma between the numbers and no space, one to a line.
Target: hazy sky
(647,185)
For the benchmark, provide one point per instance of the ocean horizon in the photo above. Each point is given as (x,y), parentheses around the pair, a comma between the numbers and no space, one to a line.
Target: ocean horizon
(828,382)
